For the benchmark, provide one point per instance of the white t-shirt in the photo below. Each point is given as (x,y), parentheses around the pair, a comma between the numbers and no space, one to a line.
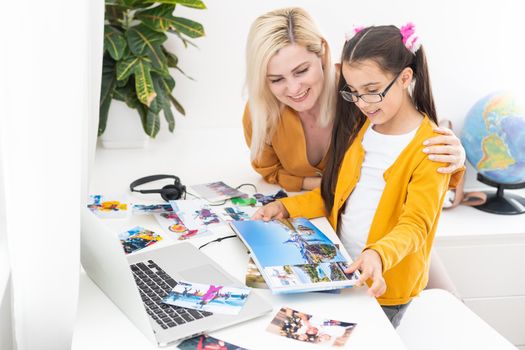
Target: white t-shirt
(381,151)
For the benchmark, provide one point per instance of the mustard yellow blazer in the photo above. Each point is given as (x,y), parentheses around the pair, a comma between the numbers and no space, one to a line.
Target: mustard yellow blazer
(406,218)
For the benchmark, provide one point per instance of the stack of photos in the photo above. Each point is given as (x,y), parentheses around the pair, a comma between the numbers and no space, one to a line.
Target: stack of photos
(303,327)
(294,256)
(203,342)
(137,238)
(216,191)
(151,208)
(206,297)
(105,207)
(253,278)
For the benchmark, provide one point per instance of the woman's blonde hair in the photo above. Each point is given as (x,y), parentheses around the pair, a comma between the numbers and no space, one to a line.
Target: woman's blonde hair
(268,34)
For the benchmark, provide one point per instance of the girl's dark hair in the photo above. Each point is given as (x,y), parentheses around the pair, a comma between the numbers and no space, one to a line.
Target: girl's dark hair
(384,46)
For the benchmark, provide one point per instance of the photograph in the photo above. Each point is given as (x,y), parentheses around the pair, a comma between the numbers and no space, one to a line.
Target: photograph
(211,298)
(138,238)
(108,207)
(216,191)
(172,224)
(151,208)
(236,213)
(195,213)
(254,278)
(282,276)
(206,342)
(303,327)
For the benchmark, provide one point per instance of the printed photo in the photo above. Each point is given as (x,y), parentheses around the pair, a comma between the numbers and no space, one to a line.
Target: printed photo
(195,213)
(216,191)
(282,276)
(343,265)
(171,223)
(211,298)
(204,342)
(254,278)
(235,213)
(137,238)
(303,327)
(151,208)
(108,207)
(311,273)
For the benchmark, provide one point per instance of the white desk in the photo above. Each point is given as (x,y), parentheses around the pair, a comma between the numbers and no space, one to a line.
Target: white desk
(198,157)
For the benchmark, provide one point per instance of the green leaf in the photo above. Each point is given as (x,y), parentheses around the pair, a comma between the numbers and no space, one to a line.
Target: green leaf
(152,123)
(184,40)
(143,82)
(196,4)
(177,105)
(157,18)
(114,12)
(106,91)
(114,42)
(172,60)
(141,37)
(188,27)
(163,91)
(157,57)
(126,67)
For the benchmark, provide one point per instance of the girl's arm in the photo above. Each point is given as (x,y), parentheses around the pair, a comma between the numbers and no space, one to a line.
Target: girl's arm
(308,205)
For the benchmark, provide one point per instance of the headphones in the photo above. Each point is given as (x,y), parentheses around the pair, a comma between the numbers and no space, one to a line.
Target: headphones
(168,192)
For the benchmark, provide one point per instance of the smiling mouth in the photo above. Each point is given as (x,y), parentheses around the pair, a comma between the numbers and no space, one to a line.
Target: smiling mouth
(300,97)
(372,113)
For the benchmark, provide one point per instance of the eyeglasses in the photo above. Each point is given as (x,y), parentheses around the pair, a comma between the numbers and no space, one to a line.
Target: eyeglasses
(368,98)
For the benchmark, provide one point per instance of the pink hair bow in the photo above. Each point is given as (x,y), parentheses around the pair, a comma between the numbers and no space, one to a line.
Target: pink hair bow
(410,39)
(356,29)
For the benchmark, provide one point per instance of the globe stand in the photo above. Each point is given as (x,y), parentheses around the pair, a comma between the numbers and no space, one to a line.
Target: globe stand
(499,203)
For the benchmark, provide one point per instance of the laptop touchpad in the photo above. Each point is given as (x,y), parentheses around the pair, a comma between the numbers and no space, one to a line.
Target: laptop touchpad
(206,274)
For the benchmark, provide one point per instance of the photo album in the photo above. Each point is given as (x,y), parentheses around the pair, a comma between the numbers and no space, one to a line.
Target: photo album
(294,256)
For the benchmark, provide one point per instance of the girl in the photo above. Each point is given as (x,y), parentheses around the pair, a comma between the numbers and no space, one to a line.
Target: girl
(291,86)
(386,208)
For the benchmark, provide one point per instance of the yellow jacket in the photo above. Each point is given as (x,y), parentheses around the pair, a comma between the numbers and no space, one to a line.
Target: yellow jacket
(284,162)
(406,217)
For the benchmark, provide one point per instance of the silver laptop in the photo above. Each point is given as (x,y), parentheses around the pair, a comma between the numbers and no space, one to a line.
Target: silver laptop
(136,283)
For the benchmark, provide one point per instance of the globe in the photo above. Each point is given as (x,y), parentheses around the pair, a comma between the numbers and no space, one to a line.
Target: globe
(494,138)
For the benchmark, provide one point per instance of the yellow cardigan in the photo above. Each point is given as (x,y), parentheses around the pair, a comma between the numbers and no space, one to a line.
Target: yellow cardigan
(406,217)
(285,161)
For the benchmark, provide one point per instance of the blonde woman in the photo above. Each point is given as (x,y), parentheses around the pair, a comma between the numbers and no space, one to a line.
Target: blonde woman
(291,89)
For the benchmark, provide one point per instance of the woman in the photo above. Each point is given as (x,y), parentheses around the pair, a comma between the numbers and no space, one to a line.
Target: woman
(291,88)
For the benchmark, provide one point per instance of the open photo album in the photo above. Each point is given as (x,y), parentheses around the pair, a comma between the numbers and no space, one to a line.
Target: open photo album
(294,256)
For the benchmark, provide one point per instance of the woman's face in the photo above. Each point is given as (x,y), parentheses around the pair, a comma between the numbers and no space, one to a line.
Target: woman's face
(295,77)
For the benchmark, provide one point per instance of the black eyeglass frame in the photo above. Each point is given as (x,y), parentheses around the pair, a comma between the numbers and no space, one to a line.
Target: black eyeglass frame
(354,98)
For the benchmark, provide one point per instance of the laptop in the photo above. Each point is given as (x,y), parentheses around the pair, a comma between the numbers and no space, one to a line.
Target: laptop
(136,283)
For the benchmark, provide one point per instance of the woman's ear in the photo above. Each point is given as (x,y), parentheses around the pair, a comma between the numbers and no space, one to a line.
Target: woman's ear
(406,77)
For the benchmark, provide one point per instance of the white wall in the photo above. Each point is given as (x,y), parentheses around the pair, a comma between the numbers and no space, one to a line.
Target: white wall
(474,47)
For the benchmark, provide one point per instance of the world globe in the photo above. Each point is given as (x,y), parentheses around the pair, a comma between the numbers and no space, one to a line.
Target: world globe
(494,139)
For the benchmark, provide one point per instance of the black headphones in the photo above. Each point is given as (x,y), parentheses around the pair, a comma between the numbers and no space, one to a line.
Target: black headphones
(168,192)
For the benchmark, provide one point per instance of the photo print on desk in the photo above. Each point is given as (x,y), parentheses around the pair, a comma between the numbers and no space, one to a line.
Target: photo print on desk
(139,209)
(138,238)
(206,297)
(234,213)
(195,213)
(108,207)
(204,341)
(171,223)
(216,191)
(303,327)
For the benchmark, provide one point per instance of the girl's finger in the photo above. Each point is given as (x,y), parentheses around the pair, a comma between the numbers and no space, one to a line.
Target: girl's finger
(355,265)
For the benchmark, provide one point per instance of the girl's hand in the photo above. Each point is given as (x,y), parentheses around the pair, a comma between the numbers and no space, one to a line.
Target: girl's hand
(445,148)
(371,266)
(273,210)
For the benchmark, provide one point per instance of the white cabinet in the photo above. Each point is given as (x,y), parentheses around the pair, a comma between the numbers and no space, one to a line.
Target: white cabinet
(484,255)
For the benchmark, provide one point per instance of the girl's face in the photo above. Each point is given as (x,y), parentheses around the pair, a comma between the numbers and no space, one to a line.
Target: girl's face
(367,77)
(295,77)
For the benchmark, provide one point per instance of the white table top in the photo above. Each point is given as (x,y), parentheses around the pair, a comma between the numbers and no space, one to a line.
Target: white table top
(199,157)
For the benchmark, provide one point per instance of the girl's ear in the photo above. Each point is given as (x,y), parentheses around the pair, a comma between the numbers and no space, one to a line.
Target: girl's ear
(406,77)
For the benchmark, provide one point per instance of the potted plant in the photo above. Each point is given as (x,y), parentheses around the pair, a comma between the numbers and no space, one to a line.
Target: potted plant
(136,64)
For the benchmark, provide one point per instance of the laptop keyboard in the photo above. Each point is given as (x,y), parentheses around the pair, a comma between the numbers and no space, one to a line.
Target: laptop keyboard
(155,284)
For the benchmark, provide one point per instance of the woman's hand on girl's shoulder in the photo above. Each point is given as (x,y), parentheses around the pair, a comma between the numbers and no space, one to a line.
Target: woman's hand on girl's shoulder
(445,148)
(273,210)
